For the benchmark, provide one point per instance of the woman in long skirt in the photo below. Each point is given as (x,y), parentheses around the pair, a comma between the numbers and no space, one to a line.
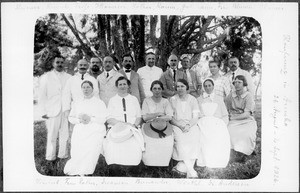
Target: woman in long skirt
(89,116)
(242,125)
(186,131)
(214,136)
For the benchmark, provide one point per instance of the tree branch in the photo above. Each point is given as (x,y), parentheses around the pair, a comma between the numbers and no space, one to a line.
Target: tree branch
(86,50)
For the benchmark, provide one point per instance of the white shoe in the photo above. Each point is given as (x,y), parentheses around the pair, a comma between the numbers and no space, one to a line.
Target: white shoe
(192,174)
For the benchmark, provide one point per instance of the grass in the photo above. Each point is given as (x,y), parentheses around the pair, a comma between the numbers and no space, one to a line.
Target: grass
(234,170)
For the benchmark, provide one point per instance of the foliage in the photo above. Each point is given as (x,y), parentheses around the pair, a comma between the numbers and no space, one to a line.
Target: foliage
(234,170)
(99,35)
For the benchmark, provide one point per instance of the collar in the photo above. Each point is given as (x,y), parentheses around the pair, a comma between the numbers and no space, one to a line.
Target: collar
(58,73)
(211,96)
(149,68)
(242,96)
(78,74)
(236,71)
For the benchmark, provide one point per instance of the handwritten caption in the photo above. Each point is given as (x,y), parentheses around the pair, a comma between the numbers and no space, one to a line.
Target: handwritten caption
(94,182)
(178,7)
(280,111)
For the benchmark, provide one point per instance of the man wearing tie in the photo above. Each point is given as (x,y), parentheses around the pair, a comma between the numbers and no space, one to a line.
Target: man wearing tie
(235,70)
(136,89)
(50,102)
(107,80)
(193,80)
(170,77)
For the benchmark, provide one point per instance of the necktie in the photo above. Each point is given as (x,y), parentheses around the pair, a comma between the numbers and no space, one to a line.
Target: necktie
(174,75)
(107,75)
(82,76)
(232,76)
(124,109)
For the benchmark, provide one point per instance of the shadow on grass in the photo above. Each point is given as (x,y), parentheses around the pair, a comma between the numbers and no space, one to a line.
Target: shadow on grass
(234,170)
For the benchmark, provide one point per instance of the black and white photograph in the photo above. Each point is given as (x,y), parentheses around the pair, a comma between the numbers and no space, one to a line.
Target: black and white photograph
(150,96)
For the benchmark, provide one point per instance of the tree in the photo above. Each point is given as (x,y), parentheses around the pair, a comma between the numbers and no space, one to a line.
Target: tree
(99,35)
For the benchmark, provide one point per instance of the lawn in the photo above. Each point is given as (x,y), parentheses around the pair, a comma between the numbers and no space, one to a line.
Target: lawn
(234,170)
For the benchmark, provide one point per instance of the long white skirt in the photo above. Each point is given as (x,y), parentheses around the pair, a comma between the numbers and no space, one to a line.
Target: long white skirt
(86,146)
(158,151)
(214,143)
(243,135)
(186,145)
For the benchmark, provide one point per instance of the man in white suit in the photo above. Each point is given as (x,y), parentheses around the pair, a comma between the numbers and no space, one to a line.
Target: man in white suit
(136,88)
(107,80)
(52,84)
(149,73)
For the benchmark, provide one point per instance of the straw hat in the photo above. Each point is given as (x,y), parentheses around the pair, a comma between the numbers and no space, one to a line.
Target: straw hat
(158,128)
(120,132)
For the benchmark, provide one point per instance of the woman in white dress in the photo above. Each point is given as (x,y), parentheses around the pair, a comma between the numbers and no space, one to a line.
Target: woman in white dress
(159,139)
(89,116)
(186,131)
(214,136)
(242,125)
(124,143)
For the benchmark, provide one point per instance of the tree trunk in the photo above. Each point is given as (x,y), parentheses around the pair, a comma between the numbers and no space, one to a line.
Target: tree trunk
(101,35)
(108,34)
(117,46)
(125,33)
(153,23)
(141,50)
(162,61)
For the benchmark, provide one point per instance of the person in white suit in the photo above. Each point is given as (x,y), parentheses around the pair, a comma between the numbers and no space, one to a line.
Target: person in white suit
(107,80)
(52,84)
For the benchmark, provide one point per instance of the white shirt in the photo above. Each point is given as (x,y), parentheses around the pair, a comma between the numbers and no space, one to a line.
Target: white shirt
(116,111)
(148,75)
(107,85)
(73,92)
(128,74)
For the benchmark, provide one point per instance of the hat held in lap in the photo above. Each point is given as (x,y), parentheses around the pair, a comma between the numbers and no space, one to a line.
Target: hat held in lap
(120,132)
(158,128)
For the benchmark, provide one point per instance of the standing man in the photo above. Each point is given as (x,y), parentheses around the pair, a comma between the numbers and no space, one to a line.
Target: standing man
(72,91)
(222,84)
(235,70)
(170,76)
(136,88)
(50,101)
(107,80)
(95,67)
(193,80)
(149,73)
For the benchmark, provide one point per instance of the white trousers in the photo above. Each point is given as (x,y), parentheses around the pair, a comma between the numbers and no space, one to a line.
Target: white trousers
(57,127)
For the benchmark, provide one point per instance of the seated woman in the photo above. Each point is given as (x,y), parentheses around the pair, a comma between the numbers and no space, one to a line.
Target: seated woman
(124,142)
(214,136)
(186,131)
(89,116)
(242,126)
(157,132)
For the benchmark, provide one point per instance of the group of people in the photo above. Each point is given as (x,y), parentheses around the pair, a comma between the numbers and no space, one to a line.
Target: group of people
(149,115)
